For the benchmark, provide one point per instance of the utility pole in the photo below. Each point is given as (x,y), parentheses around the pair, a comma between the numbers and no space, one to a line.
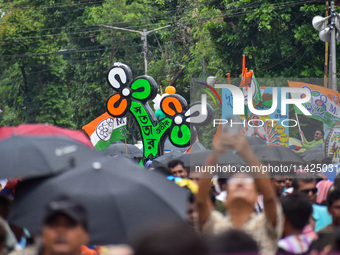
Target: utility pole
(144,34)
(333,46)
(329,33)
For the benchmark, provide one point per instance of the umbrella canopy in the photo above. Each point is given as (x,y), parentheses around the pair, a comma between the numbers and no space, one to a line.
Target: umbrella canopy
(199,158)
(253,141)
(44,130)
(277,155)
(315,155)
(120,198)
(169,147)
(197,146)
(122,149)
(318,148)
(32,156)
(165,159)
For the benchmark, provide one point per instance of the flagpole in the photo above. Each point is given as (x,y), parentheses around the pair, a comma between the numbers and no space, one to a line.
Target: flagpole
(125,139)
(298,123)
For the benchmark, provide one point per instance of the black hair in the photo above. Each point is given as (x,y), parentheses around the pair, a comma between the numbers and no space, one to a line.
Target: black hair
(297,208)
(326,160)
(191,198)
(307,178)
(168,239)
(233,242)
(163,170)
(332,196)
(323,133)
(175,162)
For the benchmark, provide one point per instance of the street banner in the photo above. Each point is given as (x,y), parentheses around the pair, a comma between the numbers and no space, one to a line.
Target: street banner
(273,128)
(323,105)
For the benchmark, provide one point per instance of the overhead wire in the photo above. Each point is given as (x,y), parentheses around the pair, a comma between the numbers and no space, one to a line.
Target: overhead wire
(234,14)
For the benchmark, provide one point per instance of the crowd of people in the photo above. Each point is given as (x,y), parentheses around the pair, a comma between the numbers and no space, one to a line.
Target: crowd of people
(245,213)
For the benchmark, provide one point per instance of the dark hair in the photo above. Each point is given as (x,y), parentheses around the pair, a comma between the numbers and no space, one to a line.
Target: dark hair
(175,162)
(169,239)
(297,208)
(233,242)
(5,205)
(336,183)
(191,198)
(307,178)
(332,196)
(323,133)
(163,170)
(326,160)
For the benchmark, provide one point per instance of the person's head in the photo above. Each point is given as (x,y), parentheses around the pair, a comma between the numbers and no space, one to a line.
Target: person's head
(279,183)
(241,187)
(297,210)
(305,184)
(289,182)
(192,215)
(318,135)
(177,168)
(233,242)
(222,183)
(333,204)
(65,227)
(169,239)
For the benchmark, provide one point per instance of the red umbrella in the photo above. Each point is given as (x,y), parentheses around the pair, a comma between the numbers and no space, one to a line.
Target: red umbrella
(45,130)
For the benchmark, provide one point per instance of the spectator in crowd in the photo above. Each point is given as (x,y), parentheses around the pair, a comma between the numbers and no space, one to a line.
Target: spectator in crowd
(279,183)
(306,184)
(297,210)
(177,168)
(242,189)
(324,187)
(333,205)
(233,242)
(192,216)
(65,228)
(328,236)
(170,239)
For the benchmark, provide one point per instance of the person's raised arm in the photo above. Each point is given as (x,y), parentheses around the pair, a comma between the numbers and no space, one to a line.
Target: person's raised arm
(203,201)
(263,184)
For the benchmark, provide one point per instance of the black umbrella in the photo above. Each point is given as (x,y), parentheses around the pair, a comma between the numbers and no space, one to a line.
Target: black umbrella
(315,155)
(197,146)
(122,149)
(253,141)
(169,147)
(32,156)
(199,158)
(317,148)
(277,155)
(120,198)
(165,159)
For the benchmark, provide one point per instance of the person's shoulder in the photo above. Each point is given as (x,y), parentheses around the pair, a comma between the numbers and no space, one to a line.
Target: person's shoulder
(216,223)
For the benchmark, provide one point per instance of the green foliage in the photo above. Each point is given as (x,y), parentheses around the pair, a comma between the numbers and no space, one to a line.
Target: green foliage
(54,54)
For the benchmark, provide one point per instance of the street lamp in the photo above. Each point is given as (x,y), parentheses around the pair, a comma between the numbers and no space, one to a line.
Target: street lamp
(144,34)
(327,34)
